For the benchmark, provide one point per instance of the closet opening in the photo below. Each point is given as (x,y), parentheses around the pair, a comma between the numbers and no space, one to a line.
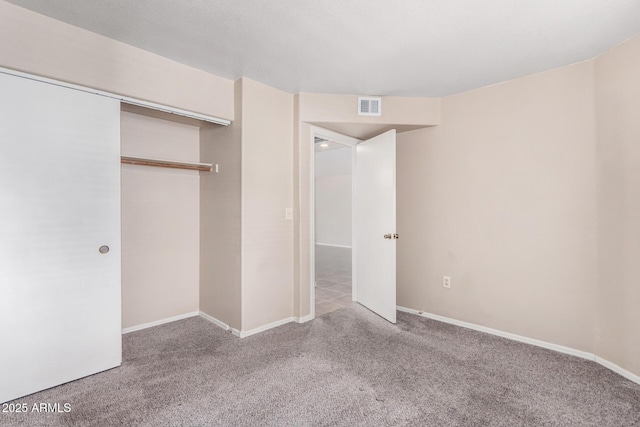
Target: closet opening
(160,194)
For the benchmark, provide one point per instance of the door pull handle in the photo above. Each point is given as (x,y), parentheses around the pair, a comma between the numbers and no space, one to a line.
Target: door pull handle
(387,236)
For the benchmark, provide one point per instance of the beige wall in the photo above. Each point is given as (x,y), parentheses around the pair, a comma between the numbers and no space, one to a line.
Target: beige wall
(525,196)
(501,197)
(41,45)
(246,242)
(397,110)
(220,220)
(618,107)
(267,186)
(160,222)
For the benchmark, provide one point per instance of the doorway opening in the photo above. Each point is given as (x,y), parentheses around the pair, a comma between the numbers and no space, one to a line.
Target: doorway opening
(332,216)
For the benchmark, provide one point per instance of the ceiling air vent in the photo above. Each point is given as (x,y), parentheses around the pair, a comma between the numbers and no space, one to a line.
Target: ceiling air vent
(369,106)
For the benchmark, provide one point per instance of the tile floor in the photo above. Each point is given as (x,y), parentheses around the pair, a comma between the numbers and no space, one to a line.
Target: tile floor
(333,278)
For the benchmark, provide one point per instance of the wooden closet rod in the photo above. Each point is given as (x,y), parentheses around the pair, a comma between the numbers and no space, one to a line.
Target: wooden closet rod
(204,167)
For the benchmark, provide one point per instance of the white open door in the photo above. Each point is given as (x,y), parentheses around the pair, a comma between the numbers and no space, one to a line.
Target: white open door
(59,203)
(375,224)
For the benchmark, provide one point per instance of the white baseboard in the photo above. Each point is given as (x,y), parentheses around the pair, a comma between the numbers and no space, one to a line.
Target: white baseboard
(244,334)
(538,343)
(334,246)
(304,319)
(508,335)
(158,322)
(219,323)
(618,370)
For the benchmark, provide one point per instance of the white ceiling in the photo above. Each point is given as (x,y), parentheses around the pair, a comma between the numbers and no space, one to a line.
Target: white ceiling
(373,47)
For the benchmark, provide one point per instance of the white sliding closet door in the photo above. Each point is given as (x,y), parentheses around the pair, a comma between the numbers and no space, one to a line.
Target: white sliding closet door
(59,203)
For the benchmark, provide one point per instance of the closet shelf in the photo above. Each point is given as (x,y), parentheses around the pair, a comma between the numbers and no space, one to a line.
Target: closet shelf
(204,167)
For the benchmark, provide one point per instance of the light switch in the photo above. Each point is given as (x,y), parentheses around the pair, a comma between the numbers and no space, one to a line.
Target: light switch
(288,213)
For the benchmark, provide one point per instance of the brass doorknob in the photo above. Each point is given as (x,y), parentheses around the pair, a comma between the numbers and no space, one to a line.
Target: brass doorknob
(387,236)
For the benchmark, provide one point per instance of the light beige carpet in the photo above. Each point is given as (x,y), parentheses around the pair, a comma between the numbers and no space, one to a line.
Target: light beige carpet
(346,368)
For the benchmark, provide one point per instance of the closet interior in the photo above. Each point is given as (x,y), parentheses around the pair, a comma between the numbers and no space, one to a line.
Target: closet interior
(161,169)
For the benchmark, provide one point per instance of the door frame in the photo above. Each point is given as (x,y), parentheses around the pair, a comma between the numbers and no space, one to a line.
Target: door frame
(317,131)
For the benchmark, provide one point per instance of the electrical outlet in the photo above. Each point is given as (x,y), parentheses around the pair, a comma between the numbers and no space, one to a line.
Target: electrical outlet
(446,282)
